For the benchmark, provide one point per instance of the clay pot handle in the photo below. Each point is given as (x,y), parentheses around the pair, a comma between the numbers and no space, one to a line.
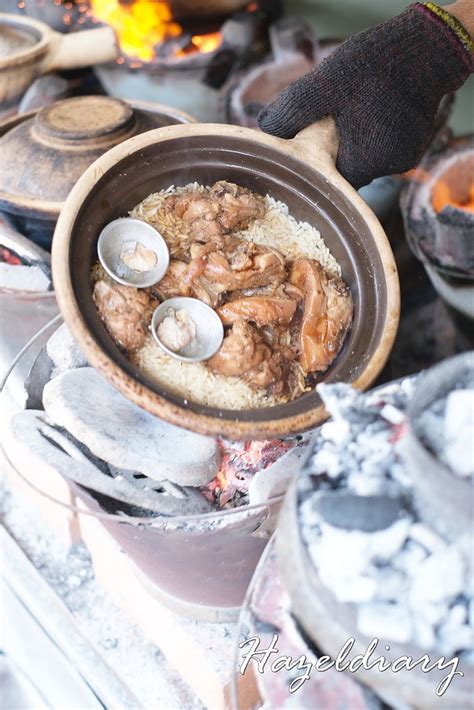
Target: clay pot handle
(318,144)
(81,49)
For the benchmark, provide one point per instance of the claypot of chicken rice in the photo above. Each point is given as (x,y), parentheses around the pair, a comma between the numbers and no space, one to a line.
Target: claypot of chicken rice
(274,241)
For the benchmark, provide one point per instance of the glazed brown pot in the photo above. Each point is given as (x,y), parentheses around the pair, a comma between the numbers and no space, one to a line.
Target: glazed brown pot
(302,173)
(41,50)
(44,152)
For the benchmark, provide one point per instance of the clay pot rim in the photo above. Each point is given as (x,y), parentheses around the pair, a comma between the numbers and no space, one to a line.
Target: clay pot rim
(50,210)
(303,149)
(25,56)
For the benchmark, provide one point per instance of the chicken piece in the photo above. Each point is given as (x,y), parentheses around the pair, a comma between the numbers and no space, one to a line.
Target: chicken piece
(203,230)
(238,207)
(259,309)
(200,213)
(123,310)
(245,354)
(240,351)
(326,317)
(208,292)
(271,374)
(172,284)
(338,317)
(265,267)
(196,205)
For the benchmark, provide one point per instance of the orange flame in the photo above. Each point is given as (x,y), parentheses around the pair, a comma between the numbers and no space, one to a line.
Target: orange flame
(141,25)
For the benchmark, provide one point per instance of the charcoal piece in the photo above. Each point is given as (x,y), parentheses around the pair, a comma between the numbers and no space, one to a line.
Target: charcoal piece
(365,513)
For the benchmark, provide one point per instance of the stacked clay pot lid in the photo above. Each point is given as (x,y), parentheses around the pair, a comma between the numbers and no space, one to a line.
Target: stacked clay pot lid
(42,154)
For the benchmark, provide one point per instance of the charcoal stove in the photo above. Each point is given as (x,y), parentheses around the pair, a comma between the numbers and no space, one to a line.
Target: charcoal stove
(177,52)
(197,564)
(438,210)
(188,68)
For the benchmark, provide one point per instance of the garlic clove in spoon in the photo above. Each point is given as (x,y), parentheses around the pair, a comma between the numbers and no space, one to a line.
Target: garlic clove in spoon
(137,257)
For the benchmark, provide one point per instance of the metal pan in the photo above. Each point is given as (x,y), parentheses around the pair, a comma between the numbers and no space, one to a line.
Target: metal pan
(302,173)
(41,50)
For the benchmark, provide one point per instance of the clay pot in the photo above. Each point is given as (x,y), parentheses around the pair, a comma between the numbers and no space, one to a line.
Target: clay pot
(302,173)
(37,49)
(43,153)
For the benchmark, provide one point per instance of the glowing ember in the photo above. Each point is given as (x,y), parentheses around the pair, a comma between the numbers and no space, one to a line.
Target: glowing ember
(9,257)
(442,196)
(239,462)
(141,25)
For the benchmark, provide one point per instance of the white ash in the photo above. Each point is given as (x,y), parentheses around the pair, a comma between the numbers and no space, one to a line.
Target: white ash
(23,278)
(69,572)
(447,428)
(408,584)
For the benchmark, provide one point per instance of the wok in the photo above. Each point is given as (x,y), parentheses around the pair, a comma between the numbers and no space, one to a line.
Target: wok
(302,173)
(42,50)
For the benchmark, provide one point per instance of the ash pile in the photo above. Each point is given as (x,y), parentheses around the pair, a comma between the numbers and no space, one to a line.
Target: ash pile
(378,538)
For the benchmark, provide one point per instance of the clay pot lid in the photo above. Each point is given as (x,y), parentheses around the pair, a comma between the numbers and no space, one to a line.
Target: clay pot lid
(43,154)
(84,118)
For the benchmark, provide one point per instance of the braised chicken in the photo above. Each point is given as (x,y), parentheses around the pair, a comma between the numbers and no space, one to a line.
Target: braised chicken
(244,353)
(207,216)
(326,317)
(285,319)
(338,318)
(237,205)
(262,310)
(172,283)
(255,266)
(124,311)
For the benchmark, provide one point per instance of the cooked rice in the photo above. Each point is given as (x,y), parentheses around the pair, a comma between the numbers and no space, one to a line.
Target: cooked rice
(194,381)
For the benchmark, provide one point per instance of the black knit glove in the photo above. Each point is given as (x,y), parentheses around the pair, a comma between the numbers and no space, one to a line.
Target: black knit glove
(383,87)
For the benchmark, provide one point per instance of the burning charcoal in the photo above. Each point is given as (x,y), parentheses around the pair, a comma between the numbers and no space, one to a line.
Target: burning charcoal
(437,209)
(31,263)
(171,46)
(273,480)
(351,512)
(124,435)
(64,352)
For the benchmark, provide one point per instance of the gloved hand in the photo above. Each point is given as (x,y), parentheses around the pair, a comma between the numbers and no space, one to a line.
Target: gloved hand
(383,87)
